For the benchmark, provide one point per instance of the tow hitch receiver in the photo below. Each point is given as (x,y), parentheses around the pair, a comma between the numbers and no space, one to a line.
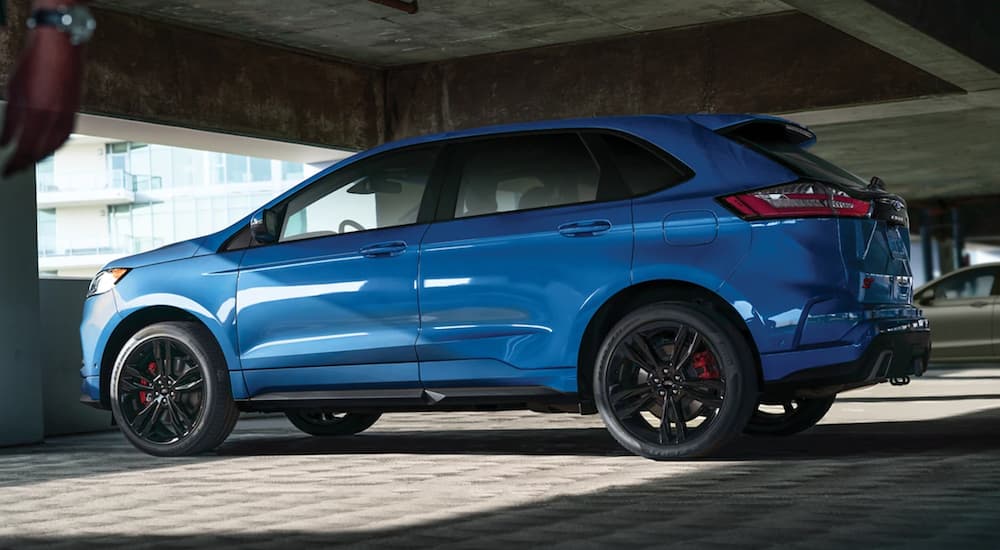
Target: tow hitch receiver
(899,380)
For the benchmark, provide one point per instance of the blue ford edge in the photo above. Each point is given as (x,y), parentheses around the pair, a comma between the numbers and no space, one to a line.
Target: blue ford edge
(689,278)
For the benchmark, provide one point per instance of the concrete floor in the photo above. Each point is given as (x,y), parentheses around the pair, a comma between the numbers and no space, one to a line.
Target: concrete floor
(917,466)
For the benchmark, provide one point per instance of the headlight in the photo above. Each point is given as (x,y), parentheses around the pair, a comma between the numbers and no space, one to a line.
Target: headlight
(106,280)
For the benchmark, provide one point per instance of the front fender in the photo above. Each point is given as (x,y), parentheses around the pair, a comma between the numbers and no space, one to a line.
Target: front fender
(203,287)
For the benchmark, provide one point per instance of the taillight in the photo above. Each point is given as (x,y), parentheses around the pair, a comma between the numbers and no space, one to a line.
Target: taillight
(797,200)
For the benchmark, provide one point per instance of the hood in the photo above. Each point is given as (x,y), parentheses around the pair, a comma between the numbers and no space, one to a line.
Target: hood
(169,253)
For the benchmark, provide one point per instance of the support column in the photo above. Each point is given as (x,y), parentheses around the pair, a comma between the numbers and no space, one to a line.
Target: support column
(21,419)
(957,241)
(926,246)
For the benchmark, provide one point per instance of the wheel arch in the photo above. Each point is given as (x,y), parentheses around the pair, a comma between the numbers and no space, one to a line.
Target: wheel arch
(134,322)
(628,299)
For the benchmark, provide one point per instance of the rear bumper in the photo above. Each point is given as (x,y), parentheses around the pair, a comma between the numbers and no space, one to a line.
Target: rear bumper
(896,350)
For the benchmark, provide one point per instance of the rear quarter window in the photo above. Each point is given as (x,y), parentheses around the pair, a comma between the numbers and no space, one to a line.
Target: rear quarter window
(642,170)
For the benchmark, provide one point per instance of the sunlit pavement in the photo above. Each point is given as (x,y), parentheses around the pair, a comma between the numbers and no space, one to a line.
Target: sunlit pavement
(916,466)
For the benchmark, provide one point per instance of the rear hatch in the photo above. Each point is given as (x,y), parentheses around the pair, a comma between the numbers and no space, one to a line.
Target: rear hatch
(873,224)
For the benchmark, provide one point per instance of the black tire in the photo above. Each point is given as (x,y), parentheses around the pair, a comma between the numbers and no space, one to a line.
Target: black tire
(727,400)
(798,415)
(324,423)
(170,391)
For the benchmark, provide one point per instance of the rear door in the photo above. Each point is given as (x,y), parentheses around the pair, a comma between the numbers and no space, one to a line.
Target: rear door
(530,229)
(961,313)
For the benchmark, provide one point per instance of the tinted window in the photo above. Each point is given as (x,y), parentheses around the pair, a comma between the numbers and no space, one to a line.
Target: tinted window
(522,172)
(642,170)
(780,142)
(384,191)
(975,284)
(807,164)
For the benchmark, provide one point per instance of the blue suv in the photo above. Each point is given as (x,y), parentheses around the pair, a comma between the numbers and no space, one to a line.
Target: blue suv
(690,278)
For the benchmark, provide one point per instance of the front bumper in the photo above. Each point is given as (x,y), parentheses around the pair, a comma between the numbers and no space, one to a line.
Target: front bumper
(897,350)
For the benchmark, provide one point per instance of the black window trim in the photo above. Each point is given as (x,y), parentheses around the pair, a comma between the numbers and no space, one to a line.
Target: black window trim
(442,188)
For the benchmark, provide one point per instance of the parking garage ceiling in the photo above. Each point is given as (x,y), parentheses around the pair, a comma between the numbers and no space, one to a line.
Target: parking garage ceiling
(921,151)
(374,34)
(936,155)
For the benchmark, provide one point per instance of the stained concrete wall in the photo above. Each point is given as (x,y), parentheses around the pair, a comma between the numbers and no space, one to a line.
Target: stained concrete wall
(774,63)
(157,72)
(151,71)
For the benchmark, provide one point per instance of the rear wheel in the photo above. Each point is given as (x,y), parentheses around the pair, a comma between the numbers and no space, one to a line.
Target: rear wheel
(323,422)
(672,381)
(170,390)
(788,417)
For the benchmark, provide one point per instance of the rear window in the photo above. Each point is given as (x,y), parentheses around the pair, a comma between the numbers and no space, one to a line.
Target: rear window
(773,141)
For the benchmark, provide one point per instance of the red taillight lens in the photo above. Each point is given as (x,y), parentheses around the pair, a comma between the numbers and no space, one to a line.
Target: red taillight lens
(797,200)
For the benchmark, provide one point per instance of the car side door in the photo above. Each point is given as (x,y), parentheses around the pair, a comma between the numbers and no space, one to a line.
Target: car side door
(332,305)
(527,234)
(960,308)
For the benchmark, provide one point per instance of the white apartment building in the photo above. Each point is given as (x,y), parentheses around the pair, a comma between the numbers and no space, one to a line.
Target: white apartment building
(100,199)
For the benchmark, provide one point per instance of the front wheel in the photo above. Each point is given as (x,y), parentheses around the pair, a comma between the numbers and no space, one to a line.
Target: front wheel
(672,381)
(324,423)
(788,417)
(170,390)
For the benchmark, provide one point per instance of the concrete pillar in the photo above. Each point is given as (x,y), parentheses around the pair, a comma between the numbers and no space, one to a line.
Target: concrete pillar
(926,238)
(957,240)
(21,419)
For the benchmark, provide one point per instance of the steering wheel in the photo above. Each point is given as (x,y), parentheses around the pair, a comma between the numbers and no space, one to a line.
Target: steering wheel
(350,223)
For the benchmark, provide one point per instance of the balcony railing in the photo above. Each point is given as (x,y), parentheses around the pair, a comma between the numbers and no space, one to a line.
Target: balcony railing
(97,181)
(125,246)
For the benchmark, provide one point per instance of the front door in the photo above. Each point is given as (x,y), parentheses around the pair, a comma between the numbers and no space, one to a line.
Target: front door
(333,304)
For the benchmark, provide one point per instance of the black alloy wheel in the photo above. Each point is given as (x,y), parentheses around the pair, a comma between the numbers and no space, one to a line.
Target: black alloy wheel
(324,422)
(674,382)
(789,416)
(168,395)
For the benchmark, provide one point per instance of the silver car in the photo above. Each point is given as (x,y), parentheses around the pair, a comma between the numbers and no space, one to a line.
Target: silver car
(964,312)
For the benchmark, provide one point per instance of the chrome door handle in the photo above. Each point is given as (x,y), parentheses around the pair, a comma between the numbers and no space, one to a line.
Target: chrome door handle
(587,227)
(979,304)
(389,248)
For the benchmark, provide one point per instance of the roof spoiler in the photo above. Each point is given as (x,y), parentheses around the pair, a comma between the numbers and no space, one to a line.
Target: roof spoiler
(749,126)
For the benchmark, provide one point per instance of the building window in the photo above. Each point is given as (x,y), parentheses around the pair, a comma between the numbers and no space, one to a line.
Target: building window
(47,231)
(177,194)
(237,170)
(292,171)
(260,169)
(45,174)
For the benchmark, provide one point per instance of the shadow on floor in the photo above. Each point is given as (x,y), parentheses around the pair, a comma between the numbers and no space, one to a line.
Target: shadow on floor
(960,434)
(908,499)
(109,453)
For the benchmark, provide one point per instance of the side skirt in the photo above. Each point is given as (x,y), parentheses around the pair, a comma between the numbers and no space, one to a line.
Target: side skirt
(537,398)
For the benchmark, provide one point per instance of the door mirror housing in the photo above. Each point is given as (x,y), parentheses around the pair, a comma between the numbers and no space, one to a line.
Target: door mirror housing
(264,226)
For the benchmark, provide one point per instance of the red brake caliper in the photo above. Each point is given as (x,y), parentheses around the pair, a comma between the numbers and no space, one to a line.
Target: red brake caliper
(704,364)
(144,396)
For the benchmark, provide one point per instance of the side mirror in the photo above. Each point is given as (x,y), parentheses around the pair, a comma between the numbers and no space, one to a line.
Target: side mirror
(264,226)
(926,297)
